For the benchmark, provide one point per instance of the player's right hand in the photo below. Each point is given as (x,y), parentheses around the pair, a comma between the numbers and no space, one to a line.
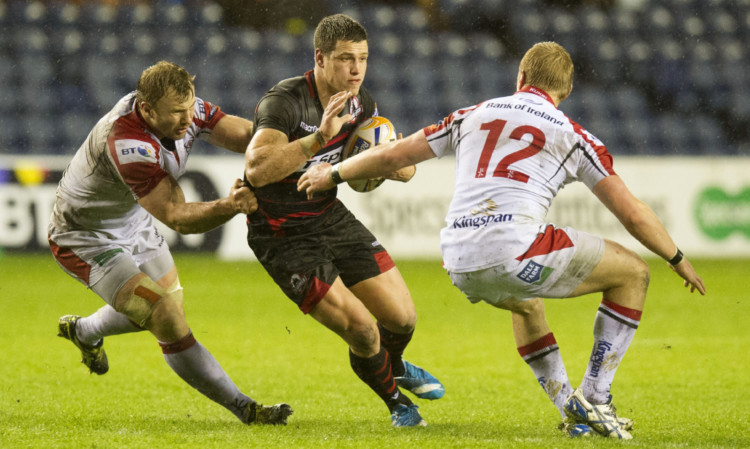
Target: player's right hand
(243,198)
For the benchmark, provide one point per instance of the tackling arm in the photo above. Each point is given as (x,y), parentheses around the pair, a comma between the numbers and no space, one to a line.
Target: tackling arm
(167,203)
(232,133)
(388,158)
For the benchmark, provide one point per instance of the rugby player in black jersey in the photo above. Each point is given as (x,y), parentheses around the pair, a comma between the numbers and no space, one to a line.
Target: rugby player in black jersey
(322,257)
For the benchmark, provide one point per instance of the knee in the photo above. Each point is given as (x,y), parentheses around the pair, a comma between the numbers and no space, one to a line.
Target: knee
(150,306)
(402,323)
(363,337)
(642,274)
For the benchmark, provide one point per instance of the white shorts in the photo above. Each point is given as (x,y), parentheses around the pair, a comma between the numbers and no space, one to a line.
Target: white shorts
(105,264)
(552,275)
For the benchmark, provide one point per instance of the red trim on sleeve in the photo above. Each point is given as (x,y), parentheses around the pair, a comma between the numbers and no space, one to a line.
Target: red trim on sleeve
(432,129)
(67,258)
(550,240)
(212,113)
(605,158)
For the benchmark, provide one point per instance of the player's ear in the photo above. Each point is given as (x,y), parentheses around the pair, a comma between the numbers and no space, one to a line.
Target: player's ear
(145,108)
(319,58)
(520,80)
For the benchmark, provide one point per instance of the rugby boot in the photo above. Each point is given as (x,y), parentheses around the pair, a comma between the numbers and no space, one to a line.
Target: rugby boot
(421,383)
(407,416)
(602,418)
(267,414)
(94,356)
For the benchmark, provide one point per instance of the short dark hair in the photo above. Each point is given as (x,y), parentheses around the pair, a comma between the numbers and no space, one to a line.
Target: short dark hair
(338,27)
(161,78)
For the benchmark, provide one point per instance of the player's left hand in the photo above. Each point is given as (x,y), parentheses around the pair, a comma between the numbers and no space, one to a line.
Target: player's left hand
(403,174)
(316,179)
(330,122)
(243,198)
(690,277)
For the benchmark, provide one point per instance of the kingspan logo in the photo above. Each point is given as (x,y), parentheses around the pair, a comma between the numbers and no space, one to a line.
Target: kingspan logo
(720,214)
(482,215)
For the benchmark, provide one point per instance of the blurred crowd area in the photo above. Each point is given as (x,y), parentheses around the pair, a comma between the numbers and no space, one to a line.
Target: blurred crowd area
(652,78)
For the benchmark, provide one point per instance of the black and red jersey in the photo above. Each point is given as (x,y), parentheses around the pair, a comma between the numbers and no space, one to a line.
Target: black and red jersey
(293,107)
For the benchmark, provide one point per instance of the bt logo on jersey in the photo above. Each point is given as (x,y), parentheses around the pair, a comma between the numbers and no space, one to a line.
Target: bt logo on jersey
(129,151)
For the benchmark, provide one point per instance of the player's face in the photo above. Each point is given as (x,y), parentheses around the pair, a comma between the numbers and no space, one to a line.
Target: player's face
(344,68)
(171,116)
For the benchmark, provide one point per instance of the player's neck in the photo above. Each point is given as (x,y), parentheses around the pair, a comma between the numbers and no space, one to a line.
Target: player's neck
(324,90)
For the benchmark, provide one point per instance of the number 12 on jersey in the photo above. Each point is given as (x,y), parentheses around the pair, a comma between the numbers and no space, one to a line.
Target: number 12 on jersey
(495,129)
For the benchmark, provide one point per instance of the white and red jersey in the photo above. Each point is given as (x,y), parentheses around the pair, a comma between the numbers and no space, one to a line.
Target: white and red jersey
(121,161)
(513,154)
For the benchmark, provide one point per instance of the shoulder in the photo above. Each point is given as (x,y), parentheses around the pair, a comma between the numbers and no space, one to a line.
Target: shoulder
(129,142)
(293,88)
(207,114)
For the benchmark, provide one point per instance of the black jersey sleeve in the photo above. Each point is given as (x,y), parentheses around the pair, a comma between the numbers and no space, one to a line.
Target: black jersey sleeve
(277,111)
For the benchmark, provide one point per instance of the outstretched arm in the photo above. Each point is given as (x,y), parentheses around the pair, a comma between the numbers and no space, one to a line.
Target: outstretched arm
(383,160)
(167,203)
(643,224)
(232,133)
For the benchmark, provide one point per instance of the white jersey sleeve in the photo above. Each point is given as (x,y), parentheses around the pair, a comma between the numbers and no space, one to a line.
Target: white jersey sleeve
(513,155)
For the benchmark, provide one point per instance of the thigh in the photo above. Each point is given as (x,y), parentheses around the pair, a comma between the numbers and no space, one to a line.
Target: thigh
(387,297)
(341,311)
(618,267)
(161,269)
(301,266)
(357,254)
(95,261)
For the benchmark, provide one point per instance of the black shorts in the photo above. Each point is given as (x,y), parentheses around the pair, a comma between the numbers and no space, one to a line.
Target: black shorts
(305,266)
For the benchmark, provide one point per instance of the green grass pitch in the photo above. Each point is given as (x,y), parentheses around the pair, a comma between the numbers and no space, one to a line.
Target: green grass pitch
(683,380)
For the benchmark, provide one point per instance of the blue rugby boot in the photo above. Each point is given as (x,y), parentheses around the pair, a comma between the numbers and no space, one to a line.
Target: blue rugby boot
(421,383)
(407,416)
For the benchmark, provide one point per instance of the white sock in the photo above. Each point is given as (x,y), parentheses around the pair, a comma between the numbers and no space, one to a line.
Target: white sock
(196,366)
(544,358)
(104,322)
(614,329)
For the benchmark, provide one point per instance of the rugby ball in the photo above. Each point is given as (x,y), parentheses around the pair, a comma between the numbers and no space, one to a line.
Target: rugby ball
(371,132)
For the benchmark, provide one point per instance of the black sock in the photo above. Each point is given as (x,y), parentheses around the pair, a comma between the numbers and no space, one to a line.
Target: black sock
(375,371)
(395,344)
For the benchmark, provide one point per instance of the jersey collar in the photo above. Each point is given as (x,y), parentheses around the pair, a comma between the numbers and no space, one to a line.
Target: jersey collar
(310,78)
(537,91)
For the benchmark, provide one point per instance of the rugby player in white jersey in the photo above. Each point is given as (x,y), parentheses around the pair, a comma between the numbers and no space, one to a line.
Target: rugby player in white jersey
(513,154)
(103,233)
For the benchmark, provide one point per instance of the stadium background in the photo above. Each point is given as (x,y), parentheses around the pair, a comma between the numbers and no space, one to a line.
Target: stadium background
(652,78)
(663,84)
